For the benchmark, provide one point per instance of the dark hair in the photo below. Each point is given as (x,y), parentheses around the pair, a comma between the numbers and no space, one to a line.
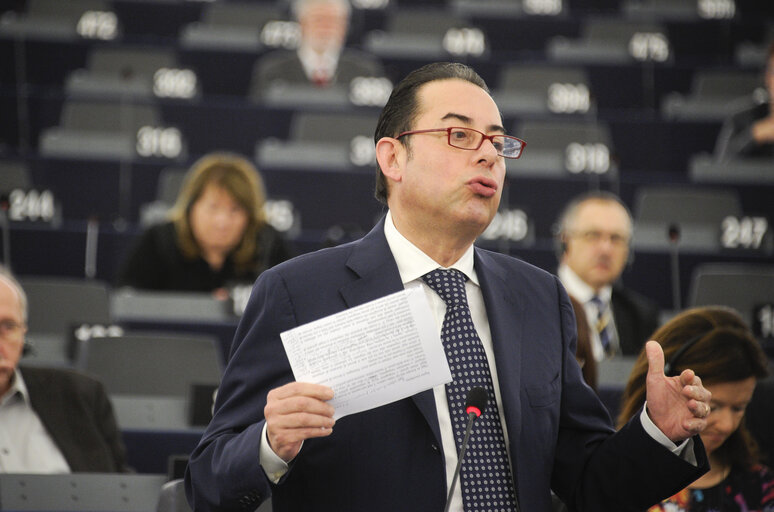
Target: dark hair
(726,351)
(402,107)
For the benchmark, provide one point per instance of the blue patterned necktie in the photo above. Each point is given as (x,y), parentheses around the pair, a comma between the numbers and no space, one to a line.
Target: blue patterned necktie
(602,325)
(487,485)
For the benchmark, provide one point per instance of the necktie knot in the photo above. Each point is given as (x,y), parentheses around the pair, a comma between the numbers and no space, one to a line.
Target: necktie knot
(449,284)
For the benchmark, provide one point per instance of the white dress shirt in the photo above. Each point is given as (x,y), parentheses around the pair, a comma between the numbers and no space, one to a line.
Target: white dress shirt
(25,444)
(314,62)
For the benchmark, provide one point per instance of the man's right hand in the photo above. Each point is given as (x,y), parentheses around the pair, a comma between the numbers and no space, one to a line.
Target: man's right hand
(295,412)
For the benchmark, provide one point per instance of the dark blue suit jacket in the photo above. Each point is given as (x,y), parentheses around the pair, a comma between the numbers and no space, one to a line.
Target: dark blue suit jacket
(390,458)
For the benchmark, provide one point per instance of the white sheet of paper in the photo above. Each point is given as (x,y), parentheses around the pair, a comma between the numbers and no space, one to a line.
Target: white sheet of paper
(372,354)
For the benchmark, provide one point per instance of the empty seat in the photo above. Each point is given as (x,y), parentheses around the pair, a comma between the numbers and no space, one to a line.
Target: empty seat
(172,498)
(167,189)
(714,95)
(322,141)
(237,26)
(696,213)
(128,304)
(663,10)
(80,492)
(152,365)
(704,168)
(117,72)
(613,41)
(151,412)
(58,306)
(56,20)
(544,90)
(417,33)
(112,130)
(559,149)
(742,286)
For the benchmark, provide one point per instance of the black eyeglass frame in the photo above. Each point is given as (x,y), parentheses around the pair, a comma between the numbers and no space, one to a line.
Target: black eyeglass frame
(484,137)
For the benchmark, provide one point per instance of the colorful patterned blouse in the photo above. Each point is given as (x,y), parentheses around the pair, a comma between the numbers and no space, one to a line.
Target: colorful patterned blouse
(741,491)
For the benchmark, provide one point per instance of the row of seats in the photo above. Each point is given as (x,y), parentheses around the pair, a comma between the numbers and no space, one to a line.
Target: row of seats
(400,29)
(96,491)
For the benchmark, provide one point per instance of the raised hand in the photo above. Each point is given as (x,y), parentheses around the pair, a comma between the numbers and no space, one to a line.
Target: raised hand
(678,406)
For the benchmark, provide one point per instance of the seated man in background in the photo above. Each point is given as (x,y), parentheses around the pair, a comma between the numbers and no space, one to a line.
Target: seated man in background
(750,132)
(321,58)
(594,235)
(51,420)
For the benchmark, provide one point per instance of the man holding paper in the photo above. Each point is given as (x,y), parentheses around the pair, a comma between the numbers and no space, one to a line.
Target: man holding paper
(505,325)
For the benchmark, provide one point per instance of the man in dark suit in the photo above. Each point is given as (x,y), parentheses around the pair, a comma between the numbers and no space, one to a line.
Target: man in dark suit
(594,234)
(51,420)
(321,59)
(440,149)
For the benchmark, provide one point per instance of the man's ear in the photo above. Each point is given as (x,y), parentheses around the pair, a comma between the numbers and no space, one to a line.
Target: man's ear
(389,153)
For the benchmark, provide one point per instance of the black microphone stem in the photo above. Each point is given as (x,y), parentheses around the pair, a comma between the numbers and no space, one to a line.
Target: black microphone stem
(471,418)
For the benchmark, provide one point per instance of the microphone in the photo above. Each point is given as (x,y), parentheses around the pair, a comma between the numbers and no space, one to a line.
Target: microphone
(673,233)
(475,404)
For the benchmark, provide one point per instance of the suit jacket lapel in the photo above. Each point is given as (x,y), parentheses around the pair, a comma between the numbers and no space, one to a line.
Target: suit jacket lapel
(505,311)
(377,276)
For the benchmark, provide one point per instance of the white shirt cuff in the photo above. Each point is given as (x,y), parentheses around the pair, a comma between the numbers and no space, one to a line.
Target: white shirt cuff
(683,450)
(274,467)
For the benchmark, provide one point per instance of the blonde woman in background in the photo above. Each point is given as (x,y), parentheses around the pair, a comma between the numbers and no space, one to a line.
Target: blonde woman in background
(216,235)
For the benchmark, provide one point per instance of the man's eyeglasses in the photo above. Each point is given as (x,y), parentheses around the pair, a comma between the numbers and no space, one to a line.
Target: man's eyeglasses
(470,139)
(10,329)
(595,237)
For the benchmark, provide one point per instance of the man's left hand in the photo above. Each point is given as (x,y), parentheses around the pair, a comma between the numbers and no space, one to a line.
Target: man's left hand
(678,406)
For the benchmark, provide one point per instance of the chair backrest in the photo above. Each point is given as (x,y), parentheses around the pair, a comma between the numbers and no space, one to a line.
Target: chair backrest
(72,9)
(155,365)
(149,305)
(169,185)
(108,117)
(57,304)
(80,492)
(172,497)
(666,205)
(539,78)
(423,21)
(14,175)
(617,31)
(130,61)
(331,127)
(725,84)
(741,286)
(696,213)
(241,14)
(543,135)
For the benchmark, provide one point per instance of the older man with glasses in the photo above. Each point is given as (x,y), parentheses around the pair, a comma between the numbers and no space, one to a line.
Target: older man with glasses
(594,235)
(51,420)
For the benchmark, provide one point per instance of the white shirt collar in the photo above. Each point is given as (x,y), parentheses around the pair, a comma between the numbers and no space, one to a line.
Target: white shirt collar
(312,60)
(18,387)
(578,288)
(413,263)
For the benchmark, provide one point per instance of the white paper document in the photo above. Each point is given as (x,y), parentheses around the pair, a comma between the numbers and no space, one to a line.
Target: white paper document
(372,354)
